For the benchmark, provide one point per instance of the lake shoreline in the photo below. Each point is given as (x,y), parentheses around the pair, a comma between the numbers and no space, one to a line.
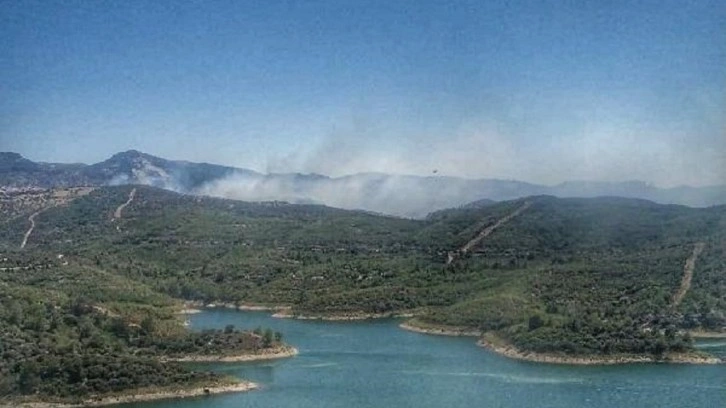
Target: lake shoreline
(180,392)
(188,311)
(273,353)
(144,396)
(698,334)
(500,346)
(342,317)
(438,330)
(285,312)
(194,306)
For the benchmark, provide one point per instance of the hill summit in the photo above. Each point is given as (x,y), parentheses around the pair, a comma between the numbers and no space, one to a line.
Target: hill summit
(401,195)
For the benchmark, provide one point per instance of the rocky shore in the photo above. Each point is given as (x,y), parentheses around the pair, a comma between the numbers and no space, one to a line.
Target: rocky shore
(500,346)
(439,330)
(263,354)
(196,306)
(353,316)
(142,395)
(697,334)
(285,312)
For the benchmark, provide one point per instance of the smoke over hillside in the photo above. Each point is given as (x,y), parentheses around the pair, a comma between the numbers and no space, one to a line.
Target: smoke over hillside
(407,196)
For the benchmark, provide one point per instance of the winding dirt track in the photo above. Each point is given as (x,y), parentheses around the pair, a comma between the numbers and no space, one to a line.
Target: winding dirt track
(30,230)
(485,233)
(119,210)
(687,274)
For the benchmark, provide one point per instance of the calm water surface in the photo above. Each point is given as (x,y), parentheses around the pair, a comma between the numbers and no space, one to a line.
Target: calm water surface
(375,364)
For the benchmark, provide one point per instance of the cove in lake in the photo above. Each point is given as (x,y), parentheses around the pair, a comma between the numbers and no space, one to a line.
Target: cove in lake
(376,364)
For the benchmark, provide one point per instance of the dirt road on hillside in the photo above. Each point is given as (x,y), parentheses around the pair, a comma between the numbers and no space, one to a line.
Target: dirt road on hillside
(30,230)
(687,274)
(485,233)
(119,210)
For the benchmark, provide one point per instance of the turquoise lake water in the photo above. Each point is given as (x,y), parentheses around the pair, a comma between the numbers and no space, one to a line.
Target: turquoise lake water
(376,364)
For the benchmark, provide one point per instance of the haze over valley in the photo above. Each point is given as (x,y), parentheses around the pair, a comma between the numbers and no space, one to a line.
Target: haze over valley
(401,195)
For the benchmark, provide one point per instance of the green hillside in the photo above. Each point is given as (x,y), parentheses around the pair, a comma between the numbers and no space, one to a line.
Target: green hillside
(574,276)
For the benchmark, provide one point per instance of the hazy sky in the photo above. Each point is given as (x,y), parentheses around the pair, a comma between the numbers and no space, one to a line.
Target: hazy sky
(539,91)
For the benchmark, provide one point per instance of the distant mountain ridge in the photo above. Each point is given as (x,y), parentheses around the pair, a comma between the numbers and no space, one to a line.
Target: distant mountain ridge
(401,195)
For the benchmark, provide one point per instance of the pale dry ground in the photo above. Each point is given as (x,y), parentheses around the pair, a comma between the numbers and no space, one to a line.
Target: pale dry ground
(501,347)
(440,330)
(21,202)
(687,274)
(117,214)
(142,396)
(264,354)
(30,230)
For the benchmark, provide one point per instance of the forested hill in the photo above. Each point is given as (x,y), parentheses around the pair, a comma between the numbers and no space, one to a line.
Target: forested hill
(402,195)
(575,276)
(73,329)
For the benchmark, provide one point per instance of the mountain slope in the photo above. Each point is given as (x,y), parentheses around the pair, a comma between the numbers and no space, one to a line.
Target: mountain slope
(571,276)
(409,196)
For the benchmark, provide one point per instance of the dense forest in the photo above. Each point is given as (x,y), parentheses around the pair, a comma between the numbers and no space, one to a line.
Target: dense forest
(70,332)
(572,276)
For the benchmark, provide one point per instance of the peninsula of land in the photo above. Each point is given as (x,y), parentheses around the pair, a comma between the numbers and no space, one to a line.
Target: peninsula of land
(141,395)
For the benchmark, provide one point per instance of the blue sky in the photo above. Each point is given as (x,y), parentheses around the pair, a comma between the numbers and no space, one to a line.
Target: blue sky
(540,91)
